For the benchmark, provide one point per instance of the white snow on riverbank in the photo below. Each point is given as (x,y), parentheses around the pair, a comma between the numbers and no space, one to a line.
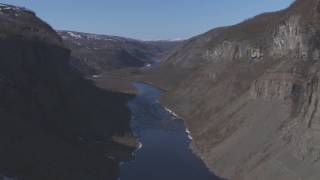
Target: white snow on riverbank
(189,134)
(139,146)
(96,76)
(137,149)
(175,115)
(171,112)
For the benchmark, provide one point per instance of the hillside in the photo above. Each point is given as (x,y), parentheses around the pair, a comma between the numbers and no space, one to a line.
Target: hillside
(250,98)
(95,54)
(54,124)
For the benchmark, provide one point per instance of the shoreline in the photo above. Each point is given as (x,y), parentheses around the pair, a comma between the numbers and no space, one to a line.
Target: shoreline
(127,87)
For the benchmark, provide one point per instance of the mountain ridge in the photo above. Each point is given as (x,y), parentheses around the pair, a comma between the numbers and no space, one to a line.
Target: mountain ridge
(95,53)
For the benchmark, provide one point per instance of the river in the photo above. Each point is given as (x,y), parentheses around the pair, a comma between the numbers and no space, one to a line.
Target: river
(165,152)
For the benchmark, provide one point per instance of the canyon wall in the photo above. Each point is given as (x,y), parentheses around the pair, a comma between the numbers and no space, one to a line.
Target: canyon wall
(251,100)
(53,123)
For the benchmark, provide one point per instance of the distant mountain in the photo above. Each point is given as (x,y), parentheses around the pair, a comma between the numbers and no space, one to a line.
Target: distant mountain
(250,96)
(94,54)
(53,123)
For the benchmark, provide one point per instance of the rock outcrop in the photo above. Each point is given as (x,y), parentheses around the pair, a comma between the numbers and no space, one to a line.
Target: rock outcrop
(251,101)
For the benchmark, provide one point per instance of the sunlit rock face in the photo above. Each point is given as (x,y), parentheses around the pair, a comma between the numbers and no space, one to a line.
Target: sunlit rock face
(251,101)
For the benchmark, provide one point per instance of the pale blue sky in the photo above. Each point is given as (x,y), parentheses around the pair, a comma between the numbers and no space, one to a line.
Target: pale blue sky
(147,19)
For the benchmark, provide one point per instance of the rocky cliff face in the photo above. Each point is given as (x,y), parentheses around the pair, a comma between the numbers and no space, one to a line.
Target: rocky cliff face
(251,101)
(95,54)
(54,124)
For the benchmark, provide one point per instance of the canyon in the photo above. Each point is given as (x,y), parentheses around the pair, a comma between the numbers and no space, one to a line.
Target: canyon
(247,93)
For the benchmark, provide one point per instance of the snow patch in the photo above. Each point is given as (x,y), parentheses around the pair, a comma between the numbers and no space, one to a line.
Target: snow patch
(4,7)
(148,65)
(176,39)
(96,76)
(139,146)
(99,37)
(175,115)
(74,35)
(187,131)
(171,112)
(189,134)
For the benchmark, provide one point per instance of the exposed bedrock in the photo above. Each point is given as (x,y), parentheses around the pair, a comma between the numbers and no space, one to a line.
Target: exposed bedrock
(251,101)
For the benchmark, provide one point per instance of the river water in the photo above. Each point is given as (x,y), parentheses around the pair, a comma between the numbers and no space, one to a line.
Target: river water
(165,152)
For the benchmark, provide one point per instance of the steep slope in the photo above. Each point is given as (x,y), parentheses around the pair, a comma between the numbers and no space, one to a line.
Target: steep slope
(53,123)
(94,54)
(251,101)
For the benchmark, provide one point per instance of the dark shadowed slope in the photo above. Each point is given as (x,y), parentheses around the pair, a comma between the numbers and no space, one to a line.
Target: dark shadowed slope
(95,54)
(53,124)
(251,97)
